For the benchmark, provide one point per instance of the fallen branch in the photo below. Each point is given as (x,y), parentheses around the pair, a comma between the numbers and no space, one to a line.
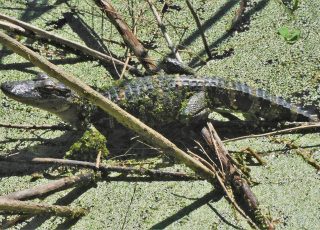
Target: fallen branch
(18,207)
(108,106)
(127,35)
(31,31)
(107,169)
(55,186)
(232,176)
(28,127)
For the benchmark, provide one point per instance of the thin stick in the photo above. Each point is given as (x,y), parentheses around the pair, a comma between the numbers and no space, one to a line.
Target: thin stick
(54,186)
(164,32)
(17,207)
(221,179)
(278,132)
(106,105)
(12,27)
(128,54)
(124,67)
(42,34)
(28,127)
(196,18)
(98,159)
(238,16)
(253,153)
(106,168)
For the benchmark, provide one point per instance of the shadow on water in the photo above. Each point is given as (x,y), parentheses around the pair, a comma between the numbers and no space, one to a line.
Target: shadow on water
(54,148)
(89,36)
(33,10)
(66,200)
(213,196)
(24,67)
(208,23)
(258,7)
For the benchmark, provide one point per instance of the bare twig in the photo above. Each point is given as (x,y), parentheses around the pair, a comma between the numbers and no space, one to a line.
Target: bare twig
(27,127)
(125,66)
(226,168)
(18,207)
(196,18)
(106,168)
(164,32)
(239,13)
(278,132)
(51,187)
(127,35)
(35,32)
(253,153)
(203,161)
(106,105)
(128,54)
(12,27)
(98,159)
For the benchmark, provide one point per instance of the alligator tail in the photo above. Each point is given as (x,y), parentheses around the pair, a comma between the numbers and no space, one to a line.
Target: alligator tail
(239,96)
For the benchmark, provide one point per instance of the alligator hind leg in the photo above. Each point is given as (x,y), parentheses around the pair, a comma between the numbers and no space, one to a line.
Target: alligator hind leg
(196,109)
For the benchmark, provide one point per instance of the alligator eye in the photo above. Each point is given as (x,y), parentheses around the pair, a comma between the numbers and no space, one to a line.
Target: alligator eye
(64,91)
(47,90)
(53,90)
(49,87)
(41,76)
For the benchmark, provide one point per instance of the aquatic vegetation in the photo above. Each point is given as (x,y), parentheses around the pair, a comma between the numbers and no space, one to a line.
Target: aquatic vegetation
(289,35)
(88,146)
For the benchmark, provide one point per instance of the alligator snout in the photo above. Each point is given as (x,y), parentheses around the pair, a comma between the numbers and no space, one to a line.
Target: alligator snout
(19,91)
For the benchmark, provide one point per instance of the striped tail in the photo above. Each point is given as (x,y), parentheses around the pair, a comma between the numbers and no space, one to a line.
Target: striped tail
(240,96)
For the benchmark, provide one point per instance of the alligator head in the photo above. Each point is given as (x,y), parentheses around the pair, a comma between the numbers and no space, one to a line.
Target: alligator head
(44,93)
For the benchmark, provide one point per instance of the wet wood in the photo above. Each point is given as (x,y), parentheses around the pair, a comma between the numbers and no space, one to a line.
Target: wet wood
(18,207)
(51,187)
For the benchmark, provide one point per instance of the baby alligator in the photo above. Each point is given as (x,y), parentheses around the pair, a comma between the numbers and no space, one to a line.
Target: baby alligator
(157,100)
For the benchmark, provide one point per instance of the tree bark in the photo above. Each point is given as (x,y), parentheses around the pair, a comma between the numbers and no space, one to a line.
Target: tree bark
(17,207)
(51,187)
